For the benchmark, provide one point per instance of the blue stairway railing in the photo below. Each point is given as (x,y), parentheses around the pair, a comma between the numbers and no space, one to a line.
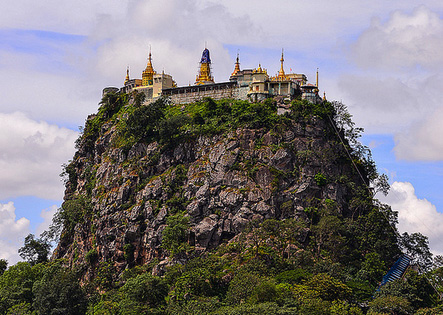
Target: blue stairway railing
(397,270)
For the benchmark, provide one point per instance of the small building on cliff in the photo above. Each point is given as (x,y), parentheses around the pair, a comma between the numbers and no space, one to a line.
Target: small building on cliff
(152,83)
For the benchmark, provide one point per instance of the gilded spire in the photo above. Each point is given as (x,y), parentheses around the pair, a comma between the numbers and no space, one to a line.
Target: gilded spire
(316,90)
(127,75)
(324,95)
(148,73)
(237,66)
(281,73)
(316,81)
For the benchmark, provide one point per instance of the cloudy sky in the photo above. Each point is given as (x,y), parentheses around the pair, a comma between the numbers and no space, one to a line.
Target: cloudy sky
(381,58)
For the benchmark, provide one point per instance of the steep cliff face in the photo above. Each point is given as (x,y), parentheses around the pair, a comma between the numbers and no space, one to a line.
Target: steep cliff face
(124,197)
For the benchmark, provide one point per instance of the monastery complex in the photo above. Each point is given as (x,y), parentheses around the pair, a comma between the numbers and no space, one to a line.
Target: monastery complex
(248,84)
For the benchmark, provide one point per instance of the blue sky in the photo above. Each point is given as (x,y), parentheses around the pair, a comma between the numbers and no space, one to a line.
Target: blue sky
(381,58)
(426,175)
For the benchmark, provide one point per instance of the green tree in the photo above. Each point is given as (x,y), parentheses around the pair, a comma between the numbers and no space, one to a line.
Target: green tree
(344,308)
(381,184)
(328,288)
(59,292)
(23,308)
(175,234)
(200,306)
(372,268)
(144,122)
(436,274)
(3,266)
(394,305)
(373,233)
(105,308)
(415,288)
(416,245)
(193,283)
(72,212)
(242,286)
(170,128)
(139,98)
(293,276)
(430,311)
(34,250)
(111,104)
(16,284)
(265,291)
(330,237)
(269,308)
(145,289)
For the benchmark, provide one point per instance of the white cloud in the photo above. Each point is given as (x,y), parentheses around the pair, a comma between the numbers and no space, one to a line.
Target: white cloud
(31,156)
(416,215)
(55,84)
(12,232)
(62,16)
(390,104)
(404,41)
(423,141)
(398,83)
(377,103)
(304,24)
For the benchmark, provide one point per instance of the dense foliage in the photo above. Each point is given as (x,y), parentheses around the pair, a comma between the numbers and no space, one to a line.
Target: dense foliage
(329,263)
(237,278)
(167,124)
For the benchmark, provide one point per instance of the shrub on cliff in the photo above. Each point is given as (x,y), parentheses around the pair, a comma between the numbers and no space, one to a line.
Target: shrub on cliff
(175,234)
(110,105)
(144,290)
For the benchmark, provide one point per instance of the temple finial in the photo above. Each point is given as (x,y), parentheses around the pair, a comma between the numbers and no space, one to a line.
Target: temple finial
(316,81)
(237,65)
(281,73)
(148,73)
(127,75)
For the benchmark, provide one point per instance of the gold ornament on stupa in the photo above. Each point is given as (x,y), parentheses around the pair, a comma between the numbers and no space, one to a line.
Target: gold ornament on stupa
(281,74)
(204,75)
(148,73)
(127,75)
(237,67)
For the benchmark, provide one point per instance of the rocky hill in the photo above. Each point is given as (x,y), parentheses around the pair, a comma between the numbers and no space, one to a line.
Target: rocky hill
(200,175)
